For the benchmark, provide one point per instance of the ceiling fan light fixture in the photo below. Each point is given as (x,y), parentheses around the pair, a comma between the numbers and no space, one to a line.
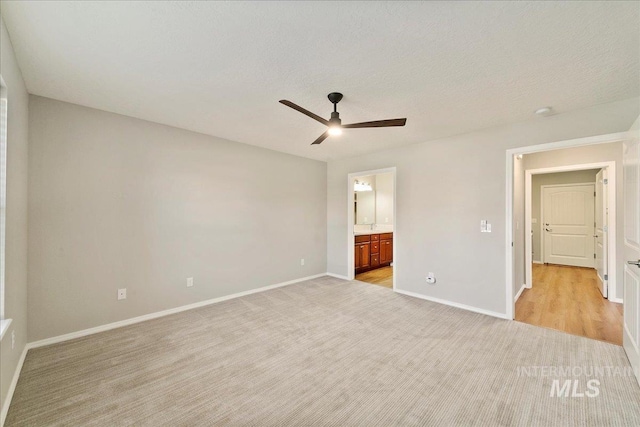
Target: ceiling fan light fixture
(335,130)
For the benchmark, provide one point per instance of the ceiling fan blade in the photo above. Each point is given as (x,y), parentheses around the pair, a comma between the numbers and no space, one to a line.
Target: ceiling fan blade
(305,112)
(376,124)
(321,138)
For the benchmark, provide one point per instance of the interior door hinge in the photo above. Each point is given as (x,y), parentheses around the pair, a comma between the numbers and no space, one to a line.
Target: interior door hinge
(594,256)
(606,277)
(605,181)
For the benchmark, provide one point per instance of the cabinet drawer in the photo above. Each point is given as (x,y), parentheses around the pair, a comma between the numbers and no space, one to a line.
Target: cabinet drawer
(375,237)
(363,239)
(375,260)
(386,236)
(375,247)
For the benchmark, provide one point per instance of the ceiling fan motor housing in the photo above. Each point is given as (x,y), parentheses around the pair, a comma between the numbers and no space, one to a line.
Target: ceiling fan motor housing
(334,97)
(335,118)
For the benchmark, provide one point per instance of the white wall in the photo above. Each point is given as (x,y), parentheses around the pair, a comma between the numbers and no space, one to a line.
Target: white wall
(584,155)
(384,199)
(537,181)
(518,226)
(16,222)
(117,202)
(443,189)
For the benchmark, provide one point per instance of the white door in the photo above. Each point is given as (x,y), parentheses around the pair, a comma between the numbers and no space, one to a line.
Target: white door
(601,214)
(631,276)
(568,224)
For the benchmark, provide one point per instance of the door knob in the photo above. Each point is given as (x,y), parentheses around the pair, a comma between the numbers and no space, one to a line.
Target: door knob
(636,263)
(595,235)
(548,229)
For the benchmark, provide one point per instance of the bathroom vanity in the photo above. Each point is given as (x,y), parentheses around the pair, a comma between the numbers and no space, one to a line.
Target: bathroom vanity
(373,250)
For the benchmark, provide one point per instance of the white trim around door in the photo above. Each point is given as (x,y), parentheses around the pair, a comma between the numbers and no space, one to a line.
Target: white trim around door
(509,238)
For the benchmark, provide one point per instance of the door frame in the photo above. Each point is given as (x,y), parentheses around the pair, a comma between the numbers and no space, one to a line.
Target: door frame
(351,274)
(541,214)
(510,155)
(612,227)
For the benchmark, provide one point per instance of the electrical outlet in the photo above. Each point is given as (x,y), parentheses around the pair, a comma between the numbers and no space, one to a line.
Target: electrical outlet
(431,278)
(301,261)
(189,282)
(13,339)
(122,293)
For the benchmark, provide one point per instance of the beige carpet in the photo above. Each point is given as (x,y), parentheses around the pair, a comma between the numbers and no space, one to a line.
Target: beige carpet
(324,352)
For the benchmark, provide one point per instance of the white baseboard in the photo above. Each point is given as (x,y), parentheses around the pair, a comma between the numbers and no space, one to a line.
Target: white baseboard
(12,386)
(520,292)
(338,276)
(618,300)
(453,304)
(133,320)
(537,262)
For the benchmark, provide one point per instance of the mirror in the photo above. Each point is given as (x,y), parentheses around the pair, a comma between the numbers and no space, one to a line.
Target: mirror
(373,199)
(365,207)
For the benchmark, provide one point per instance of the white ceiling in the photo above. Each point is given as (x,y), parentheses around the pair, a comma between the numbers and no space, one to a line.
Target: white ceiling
(220,67)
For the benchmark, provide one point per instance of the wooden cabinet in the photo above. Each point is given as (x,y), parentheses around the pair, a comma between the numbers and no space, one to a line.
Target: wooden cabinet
(363,256)
(373,251)
(386,251)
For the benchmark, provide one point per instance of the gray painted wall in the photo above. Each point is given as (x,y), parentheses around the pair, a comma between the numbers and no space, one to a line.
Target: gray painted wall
(585,155)
(16,225)
(443,189)
(117,202)
(537,181)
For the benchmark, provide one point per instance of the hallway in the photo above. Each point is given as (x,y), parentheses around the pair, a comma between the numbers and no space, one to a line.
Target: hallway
(567,299)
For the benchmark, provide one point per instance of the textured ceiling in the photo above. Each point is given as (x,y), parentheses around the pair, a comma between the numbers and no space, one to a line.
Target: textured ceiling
(220,67)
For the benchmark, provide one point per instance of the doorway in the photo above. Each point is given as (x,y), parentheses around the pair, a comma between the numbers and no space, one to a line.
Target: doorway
(372,235)
(553,266)
(567,216)
(564,231)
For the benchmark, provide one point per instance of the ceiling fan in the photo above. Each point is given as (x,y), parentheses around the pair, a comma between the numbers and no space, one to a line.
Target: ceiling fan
(335,124)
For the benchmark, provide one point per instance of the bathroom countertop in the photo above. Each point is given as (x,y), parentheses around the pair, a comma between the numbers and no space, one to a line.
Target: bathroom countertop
(369,232)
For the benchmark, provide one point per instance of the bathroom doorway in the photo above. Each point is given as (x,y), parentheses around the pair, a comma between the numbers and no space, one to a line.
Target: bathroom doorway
(372,234)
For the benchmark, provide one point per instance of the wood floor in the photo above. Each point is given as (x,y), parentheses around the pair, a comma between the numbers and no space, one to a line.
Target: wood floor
(380,276)
(567,299)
